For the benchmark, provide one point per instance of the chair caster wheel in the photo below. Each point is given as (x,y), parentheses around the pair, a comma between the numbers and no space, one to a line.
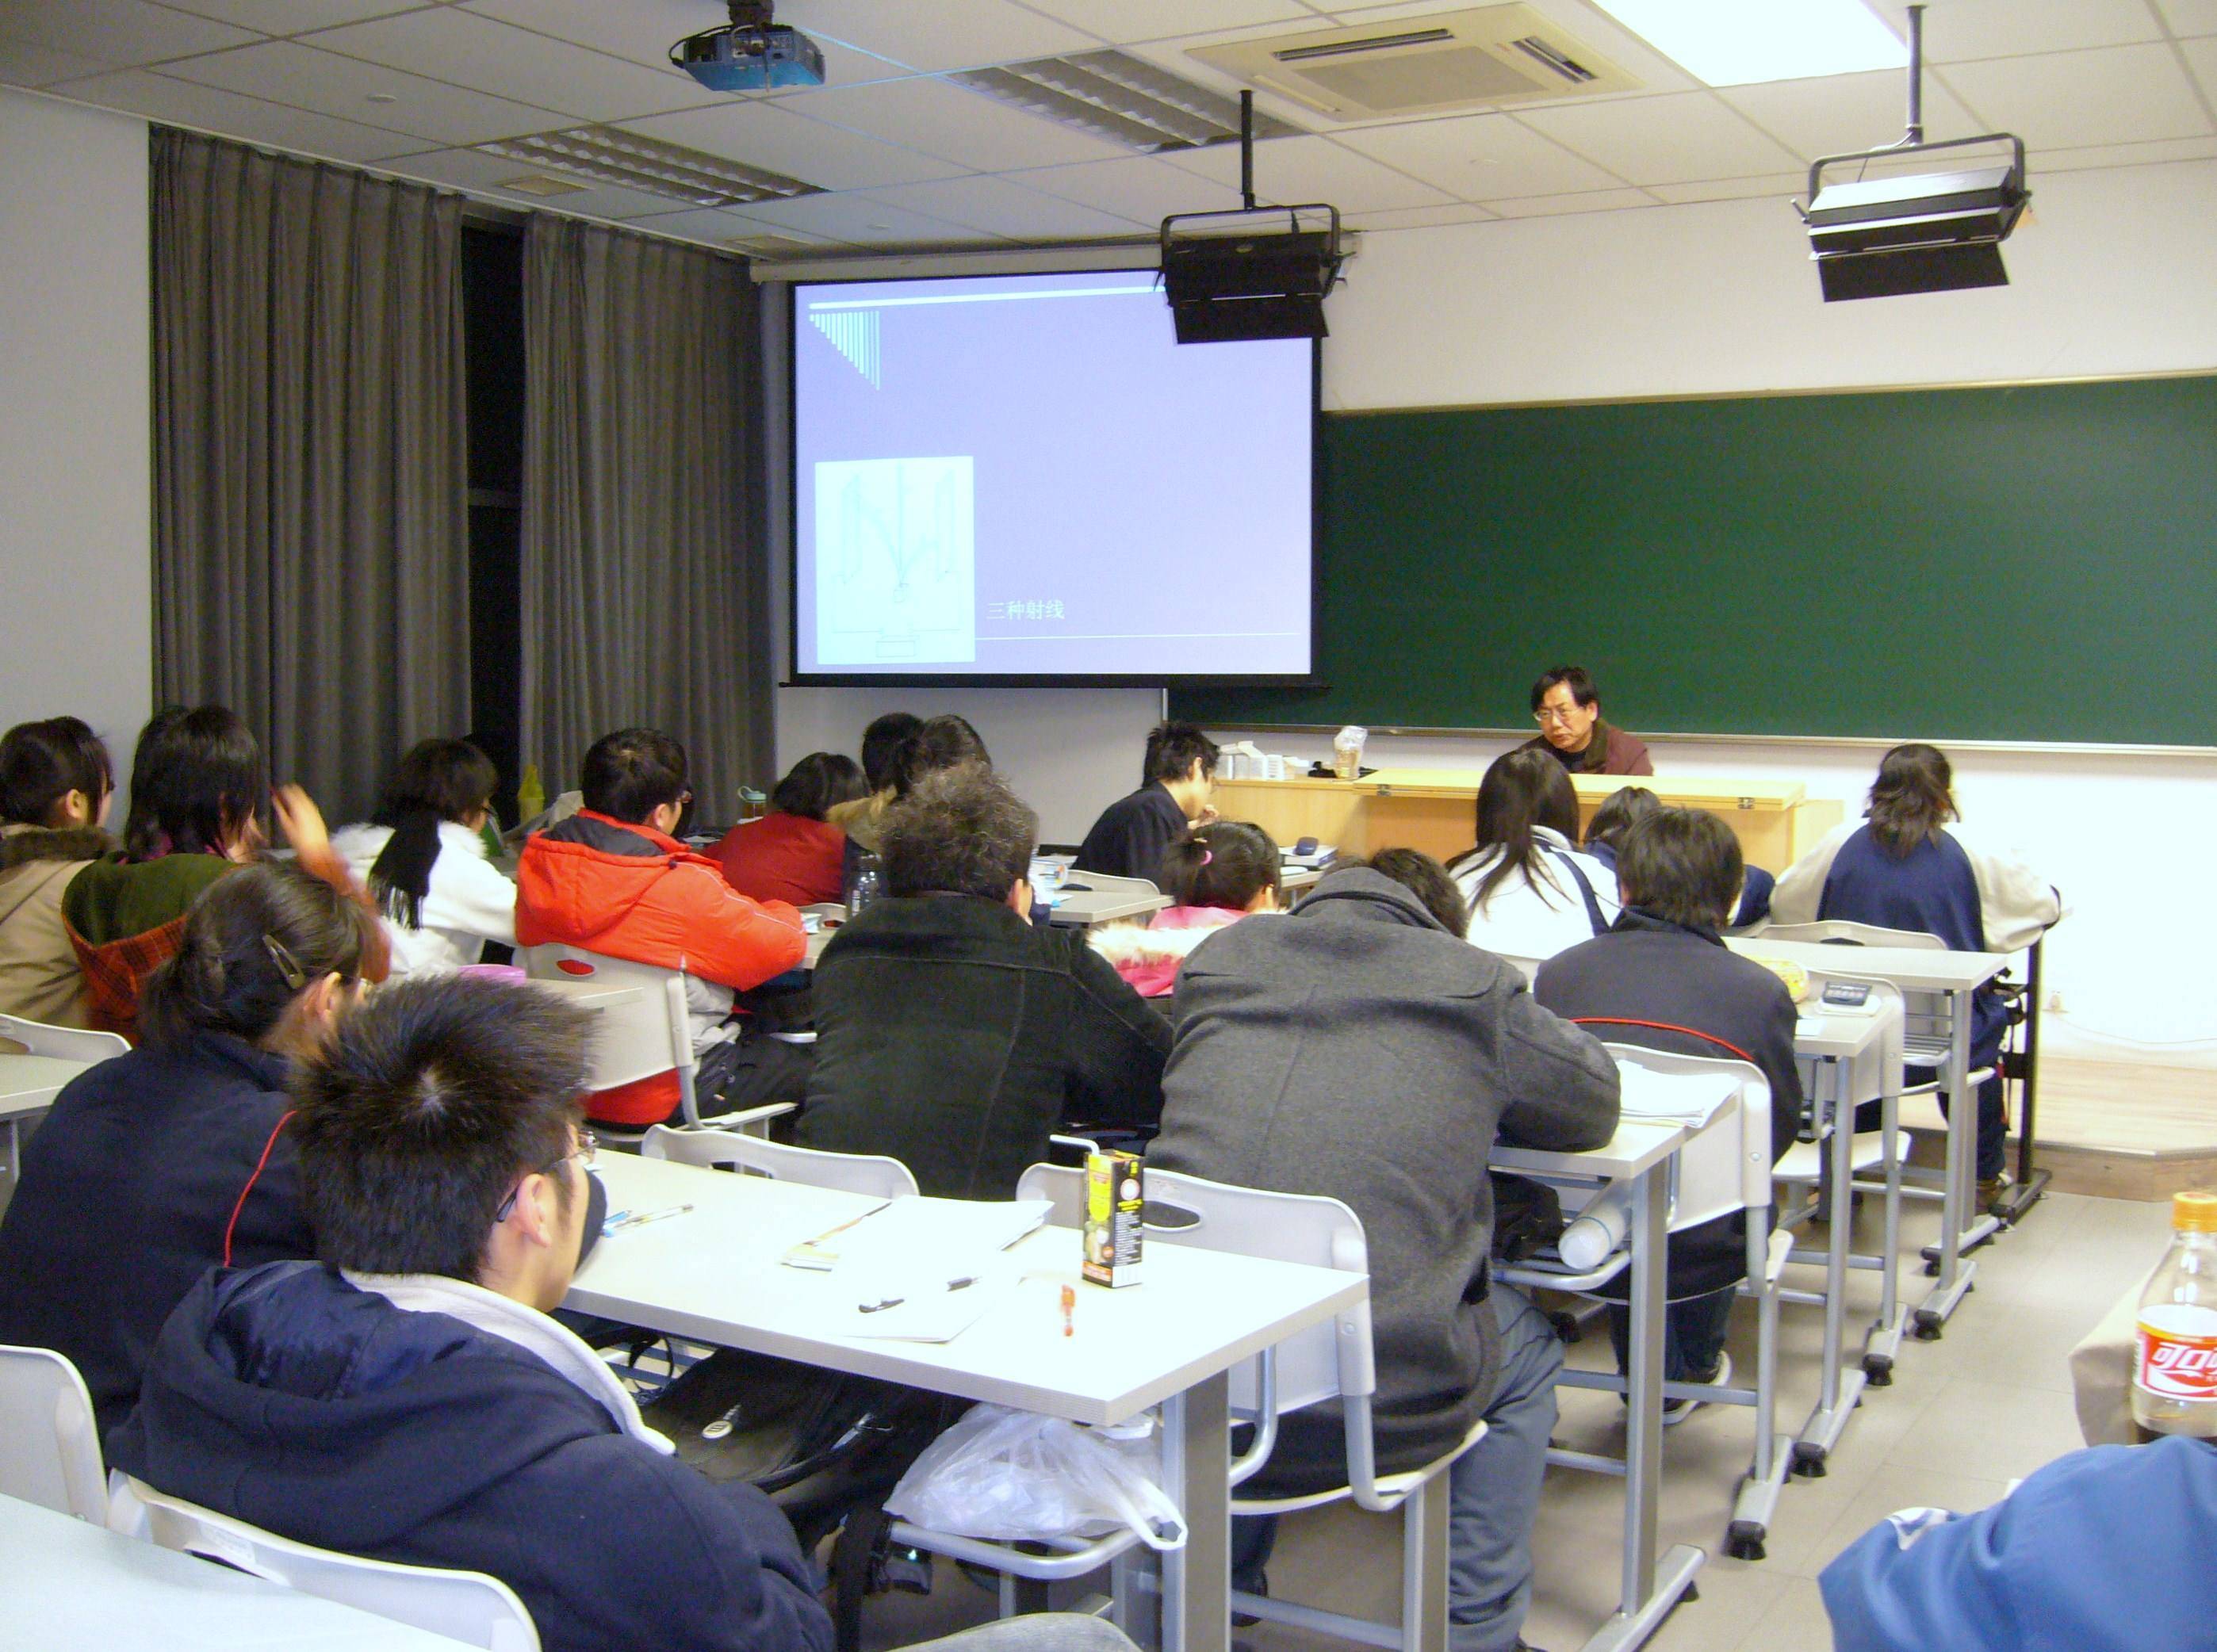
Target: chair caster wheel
(1809,1461)
(1879,1368)
(1744,1540)
(1925,1325)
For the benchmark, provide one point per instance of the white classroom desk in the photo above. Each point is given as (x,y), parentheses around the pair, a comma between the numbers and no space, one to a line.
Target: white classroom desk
(28,1085)
(1642,1153)
(1852,1048)
(713,1274)
(65,1583)
(1957,976)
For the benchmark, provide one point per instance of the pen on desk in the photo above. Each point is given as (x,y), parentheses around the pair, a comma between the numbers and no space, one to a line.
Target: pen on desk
(629,1222)
(1069,1303)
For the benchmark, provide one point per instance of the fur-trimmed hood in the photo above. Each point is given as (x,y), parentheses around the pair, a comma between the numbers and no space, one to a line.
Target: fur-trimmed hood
(22,845)
(1148,958)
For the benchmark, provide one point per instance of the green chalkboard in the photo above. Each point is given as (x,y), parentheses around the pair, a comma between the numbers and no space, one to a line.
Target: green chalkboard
(2030,563)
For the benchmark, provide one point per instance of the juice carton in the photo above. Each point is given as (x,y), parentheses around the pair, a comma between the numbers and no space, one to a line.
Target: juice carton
(1113,1194)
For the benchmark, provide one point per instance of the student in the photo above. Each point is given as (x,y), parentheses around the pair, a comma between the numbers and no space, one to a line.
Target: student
(1903,867)
(1530,893)
(1221,873)
(1361,1049)
(55,787)
(945,742)
(1132,833)
(859,818)
(611,879)
(953,1035)
(408,1396)
(1662,978)
(197,788)
(157,1165)
(1567,707)
(423,859)
(792,853)
(2102,1551)
(1629,803)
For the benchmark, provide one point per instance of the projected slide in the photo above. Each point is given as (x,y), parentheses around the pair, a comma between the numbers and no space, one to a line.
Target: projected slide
(896,568)
(1027,477)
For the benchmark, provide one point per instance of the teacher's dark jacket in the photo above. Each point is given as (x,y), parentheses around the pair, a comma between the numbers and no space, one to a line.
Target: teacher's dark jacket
(954,1037)
(126,1193)
(1358,1050)
(1666,986)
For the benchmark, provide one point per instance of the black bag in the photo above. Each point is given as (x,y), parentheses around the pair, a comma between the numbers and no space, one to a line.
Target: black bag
(1527,1216)
(752,1071)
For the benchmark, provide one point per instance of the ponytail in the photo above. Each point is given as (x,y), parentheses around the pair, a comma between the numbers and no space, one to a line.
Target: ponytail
(253,941)
(438,781)
(1226,863)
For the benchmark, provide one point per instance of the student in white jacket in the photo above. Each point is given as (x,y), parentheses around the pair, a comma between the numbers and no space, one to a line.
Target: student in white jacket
(1531,893)
(425,863)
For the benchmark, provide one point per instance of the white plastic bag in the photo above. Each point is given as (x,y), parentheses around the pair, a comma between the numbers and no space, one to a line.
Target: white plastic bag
(1010,1474)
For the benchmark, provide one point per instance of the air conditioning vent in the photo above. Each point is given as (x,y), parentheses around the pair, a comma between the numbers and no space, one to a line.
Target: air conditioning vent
(1482,59)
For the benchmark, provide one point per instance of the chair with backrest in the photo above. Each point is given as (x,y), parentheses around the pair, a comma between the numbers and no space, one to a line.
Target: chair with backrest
(1334,1360)
(63,1043)
(637,1038)
(1723,1170)
(870,1175)
(49,1442)
(466,1606)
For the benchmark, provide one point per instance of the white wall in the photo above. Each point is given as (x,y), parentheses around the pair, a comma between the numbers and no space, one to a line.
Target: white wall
(75,443)
(2110,276)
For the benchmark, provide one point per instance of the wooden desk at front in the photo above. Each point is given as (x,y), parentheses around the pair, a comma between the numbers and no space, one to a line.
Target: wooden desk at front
(1434,810)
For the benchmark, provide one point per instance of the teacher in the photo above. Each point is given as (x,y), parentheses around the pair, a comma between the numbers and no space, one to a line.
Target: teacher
(1567,706)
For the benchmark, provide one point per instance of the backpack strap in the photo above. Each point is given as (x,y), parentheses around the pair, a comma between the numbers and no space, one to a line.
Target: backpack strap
(1585,890)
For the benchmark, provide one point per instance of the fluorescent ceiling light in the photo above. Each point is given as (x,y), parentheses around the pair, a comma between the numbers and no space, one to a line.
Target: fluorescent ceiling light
(1739,42)
(611,155)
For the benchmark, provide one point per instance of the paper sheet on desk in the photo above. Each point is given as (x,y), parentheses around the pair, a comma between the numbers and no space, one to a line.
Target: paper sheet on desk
(956,1229)
(925,1270)
(1689,1099)
(916,1303)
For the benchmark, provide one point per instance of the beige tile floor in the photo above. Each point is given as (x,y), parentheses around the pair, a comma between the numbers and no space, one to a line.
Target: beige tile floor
(1987,1403)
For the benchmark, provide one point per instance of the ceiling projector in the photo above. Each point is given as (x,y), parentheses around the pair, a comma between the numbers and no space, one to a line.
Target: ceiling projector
(751,53)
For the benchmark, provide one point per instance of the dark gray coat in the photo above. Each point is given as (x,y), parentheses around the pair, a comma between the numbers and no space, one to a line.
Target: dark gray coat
(1357,1050)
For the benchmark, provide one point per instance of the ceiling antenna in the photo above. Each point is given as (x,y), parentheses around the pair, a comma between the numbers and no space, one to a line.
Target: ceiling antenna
(1932,233)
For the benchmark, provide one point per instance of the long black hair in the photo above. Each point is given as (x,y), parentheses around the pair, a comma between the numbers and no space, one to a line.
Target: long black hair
(1523,790)
(197,779)
(438,781)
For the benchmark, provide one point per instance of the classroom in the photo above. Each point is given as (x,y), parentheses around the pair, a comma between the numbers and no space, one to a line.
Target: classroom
(402,370)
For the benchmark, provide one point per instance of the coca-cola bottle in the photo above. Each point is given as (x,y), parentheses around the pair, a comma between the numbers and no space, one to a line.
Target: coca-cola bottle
(2175,1374)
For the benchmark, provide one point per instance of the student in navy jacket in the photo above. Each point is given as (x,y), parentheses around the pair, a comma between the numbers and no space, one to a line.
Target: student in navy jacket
(143,1175)
(2103,1551)
(1905,866)
(1662,978)
(408,1396)
(1629,803)
(1133,833)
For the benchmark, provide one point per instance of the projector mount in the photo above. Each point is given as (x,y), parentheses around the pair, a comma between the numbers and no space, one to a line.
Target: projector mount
(1913,140)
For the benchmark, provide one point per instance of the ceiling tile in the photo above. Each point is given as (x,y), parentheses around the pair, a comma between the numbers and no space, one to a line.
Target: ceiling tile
(719,226)
(2126,94)
(122,33)
(1479,157)
(864,222)
(250,120)
(768,134)
(1295,170)
(2190,16)
(1780,185)
(294,16)
(1597,200)
(1418,218)
(307,78)
(940,34)
(1000,208)
(481,173)
(1955,30)
(1677,138)
(1846,113)
(457,46)
(1127,20)
(645,33)
(945,120)
(2110,155)
(1140,188)
(2201,59)
(25,63)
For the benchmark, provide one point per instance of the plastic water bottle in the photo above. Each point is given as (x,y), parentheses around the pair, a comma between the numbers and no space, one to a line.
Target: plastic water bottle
(2175,1370)
(866,886)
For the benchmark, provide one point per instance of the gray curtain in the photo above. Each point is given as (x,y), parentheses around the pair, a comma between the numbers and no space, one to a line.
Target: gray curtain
(641,549)
(311,490)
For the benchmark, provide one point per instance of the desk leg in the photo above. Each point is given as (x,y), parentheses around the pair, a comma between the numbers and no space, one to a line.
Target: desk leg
(1197,1467)
(1883,1346)
(1646,1597)
(1829,1420)
(1956,1274)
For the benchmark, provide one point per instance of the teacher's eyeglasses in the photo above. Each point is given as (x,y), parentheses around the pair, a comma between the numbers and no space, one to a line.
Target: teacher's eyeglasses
(1547,714)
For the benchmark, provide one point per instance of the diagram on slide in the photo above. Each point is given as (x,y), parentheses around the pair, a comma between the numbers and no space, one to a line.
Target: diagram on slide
(896,570)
